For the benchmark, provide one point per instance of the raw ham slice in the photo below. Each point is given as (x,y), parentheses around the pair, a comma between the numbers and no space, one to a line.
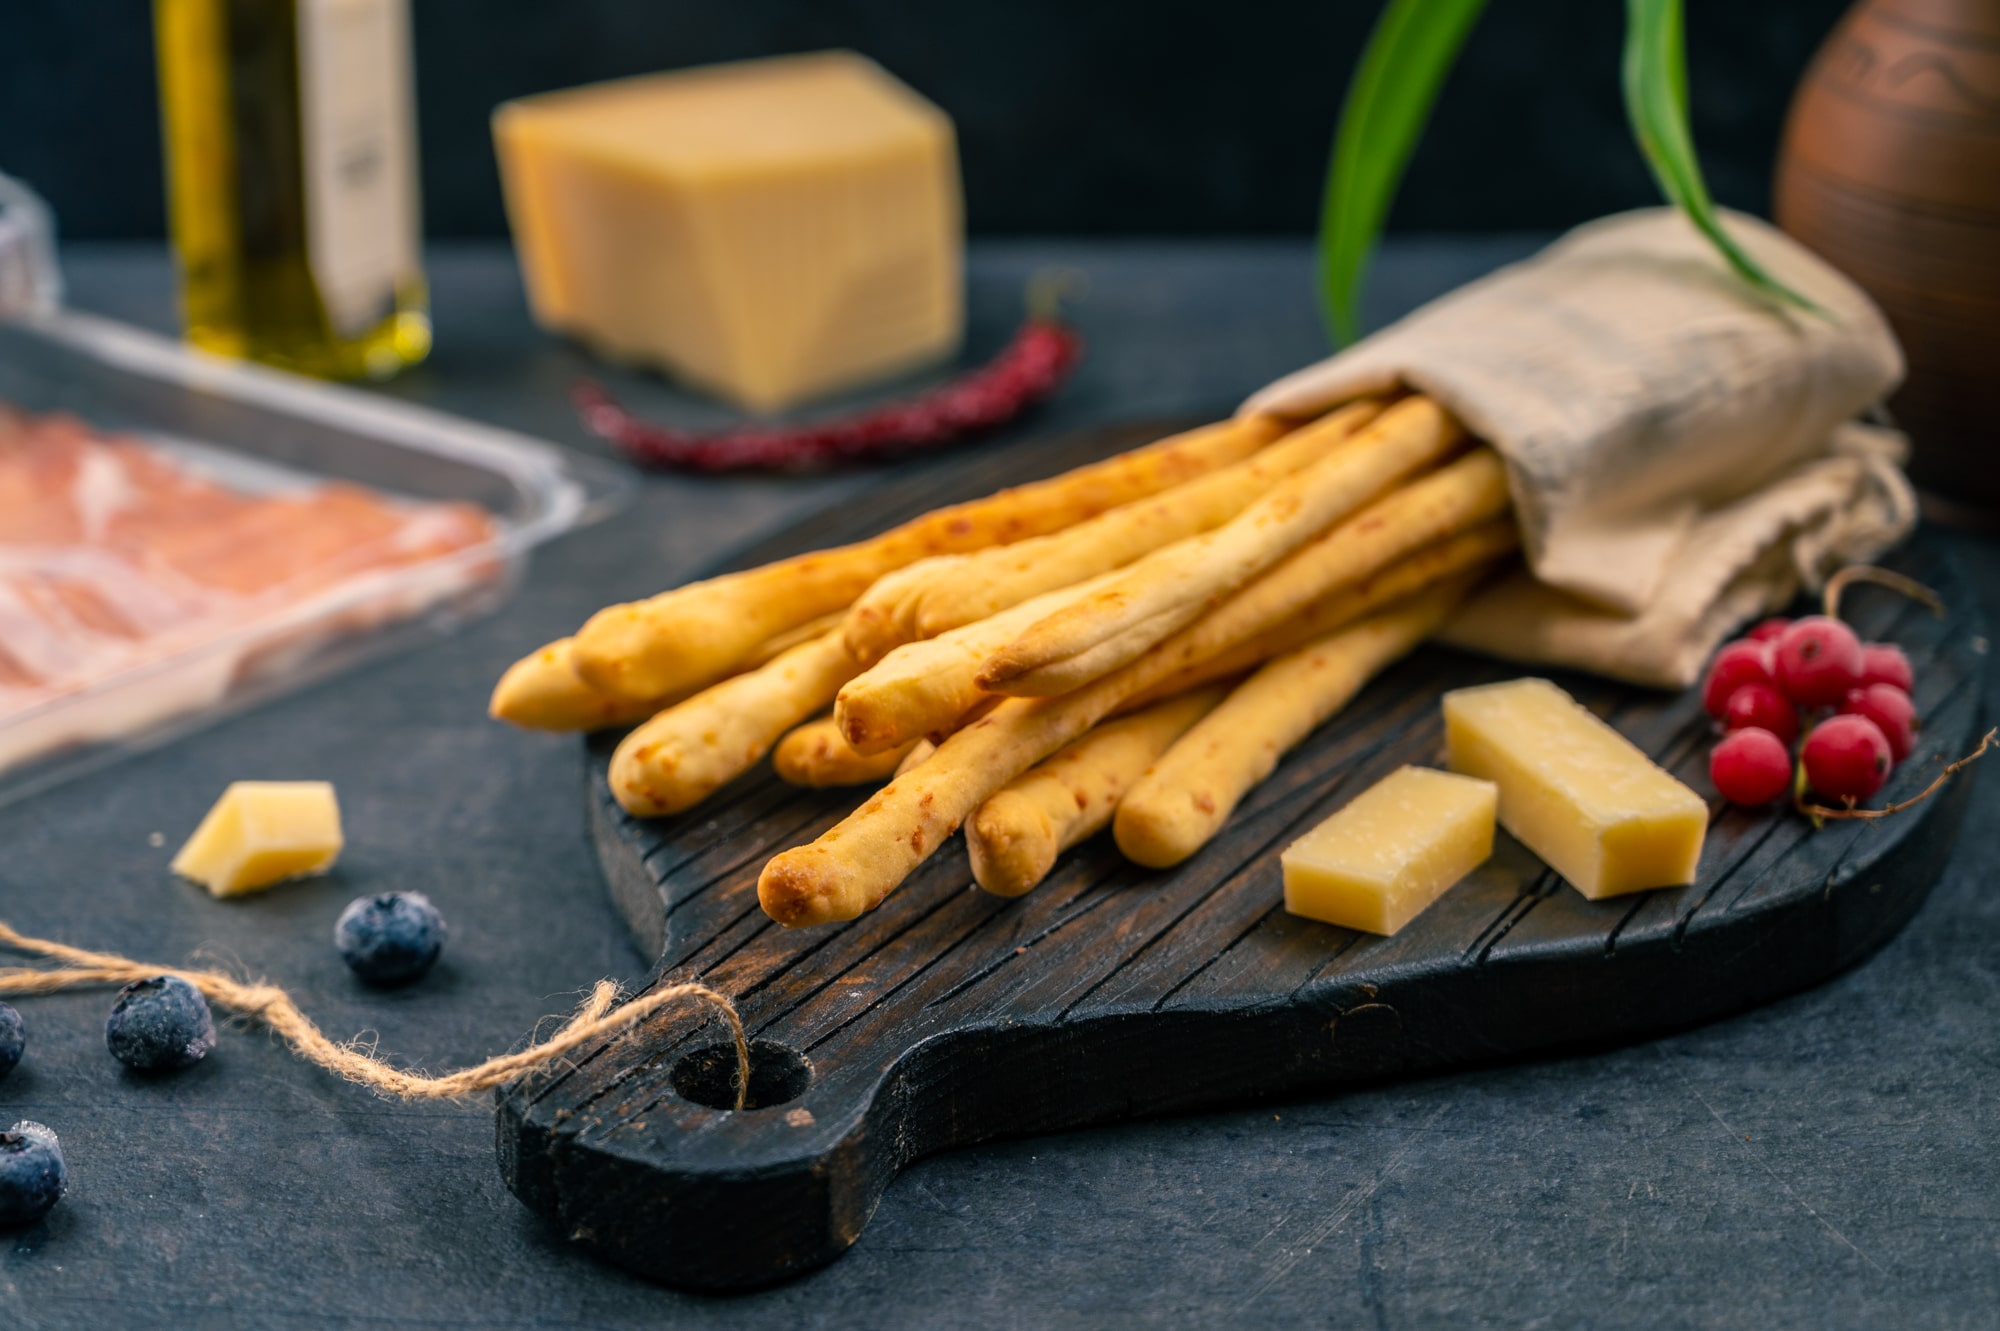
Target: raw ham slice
(116,555)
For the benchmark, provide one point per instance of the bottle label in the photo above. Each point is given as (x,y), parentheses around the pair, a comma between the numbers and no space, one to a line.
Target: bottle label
(357,133)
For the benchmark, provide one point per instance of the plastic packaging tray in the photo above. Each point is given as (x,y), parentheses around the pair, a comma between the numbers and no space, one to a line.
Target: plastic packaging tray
(260,429)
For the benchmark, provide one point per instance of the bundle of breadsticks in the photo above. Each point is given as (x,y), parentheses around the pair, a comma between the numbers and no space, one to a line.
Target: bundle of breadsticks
(1136,643)
(1133,644)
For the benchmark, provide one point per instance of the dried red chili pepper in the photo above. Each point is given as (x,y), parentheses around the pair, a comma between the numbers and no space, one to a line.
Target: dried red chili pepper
(1030,368)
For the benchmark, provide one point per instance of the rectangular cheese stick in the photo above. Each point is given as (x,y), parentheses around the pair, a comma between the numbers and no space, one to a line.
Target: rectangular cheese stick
(1394,849)
(1573,790)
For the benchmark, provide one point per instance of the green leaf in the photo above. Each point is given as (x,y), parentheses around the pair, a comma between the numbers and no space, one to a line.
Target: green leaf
(1390,98)
(1656,102)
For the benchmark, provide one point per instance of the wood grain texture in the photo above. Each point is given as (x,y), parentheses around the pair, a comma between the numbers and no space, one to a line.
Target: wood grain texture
(948,1016)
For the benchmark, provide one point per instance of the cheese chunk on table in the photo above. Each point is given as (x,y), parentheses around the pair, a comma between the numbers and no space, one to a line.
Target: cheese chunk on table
(263,832)
(1392,851)
(770,231)
(1575,791)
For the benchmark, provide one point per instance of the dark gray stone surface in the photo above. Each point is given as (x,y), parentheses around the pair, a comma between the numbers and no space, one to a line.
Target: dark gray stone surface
(1824,1162)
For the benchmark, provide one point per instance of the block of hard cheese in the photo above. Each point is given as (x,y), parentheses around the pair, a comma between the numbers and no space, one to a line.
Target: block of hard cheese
(769,231)
(1391,851)
(1573,790)
(263,832)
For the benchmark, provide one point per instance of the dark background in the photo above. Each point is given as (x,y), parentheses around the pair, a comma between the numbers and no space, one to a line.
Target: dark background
(1075,116)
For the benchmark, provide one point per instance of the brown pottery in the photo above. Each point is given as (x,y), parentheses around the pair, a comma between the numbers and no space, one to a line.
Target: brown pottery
(1891,170)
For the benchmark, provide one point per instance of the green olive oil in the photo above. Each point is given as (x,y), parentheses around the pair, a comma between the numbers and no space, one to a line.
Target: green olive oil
(291,181)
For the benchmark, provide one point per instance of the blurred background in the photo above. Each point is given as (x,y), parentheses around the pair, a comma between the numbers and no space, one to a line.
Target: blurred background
(1175,117)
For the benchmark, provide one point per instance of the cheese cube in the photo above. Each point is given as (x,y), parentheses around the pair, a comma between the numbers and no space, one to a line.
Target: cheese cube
(263,832)
(770,231)
(1575,791)
(1392,851)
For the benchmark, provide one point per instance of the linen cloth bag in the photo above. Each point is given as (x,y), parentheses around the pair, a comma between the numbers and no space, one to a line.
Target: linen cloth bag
(1683,452)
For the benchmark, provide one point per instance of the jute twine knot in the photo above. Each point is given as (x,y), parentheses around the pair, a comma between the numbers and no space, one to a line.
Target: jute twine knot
(590,1023)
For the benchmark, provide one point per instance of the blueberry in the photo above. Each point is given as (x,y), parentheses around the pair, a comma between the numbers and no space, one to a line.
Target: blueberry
(13,1039)
(32,1176)
(392,938)
(160,1024)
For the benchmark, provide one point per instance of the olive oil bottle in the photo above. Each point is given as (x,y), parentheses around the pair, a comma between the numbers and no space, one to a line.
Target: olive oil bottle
(292,181)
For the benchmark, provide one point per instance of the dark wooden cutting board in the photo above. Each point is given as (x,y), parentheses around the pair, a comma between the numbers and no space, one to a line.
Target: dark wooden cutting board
(948,1016)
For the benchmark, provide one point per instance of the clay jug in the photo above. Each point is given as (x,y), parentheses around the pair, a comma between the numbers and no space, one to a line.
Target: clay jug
(1891,171)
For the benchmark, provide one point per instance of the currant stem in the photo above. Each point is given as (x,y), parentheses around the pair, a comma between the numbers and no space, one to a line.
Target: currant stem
(1881,577)
(1818,812)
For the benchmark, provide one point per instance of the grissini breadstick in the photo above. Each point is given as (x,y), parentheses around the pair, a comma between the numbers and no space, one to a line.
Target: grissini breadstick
(542,691)
(685,753)
(851,868)
(1474,550)
(919,754)
(1172,586)
(778,644)
(926,686)
(689,637)
(1019,831)
(883,617)
(1452,499)
(937,595)
(1186,796)
(815,755)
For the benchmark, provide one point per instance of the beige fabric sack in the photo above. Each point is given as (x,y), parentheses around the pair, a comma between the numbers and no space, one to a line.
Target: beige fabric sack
(1683,453)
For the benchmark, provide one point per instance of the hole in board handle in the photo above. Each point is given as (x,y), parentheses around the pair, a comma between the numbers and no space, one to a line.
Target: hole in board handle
(778,1074)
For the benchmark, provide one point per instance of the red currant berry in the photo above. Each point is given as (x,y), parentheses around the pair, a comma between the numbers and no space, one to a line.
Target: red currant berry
(1884,663)
(1736,664)
(1847,757)
(1750,767)
(1819,660)
(1769,630)
(1892,712)
(1762,706)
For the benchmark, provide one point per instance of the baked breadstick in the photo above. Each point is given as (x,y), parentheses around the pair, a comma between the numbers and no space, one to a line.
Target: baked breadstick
(685,753)
(778,644)
(856,864)
(883,617)
(815,755)
(922,687)
(542,691)
(851,868)
(1171,587)
(1452,499)
(1017,834)
(934,596)
(691,636)
(1475,550)
(919,754)
(1183,800)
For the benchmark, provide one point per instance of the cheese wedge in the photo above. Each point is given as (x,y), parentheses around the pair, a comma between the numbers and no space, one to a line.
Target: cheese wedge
(263,832)
(1392,851)
(769,231)
(1573,790)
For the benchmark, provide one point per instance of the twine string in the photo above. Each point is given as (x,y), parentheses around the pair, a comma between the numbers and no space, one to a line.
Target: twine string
(272,1006)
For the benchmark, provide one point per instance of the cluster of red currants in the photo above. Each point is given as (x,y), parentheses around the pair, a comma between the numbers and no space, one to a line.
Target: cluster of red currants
(1761,688)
